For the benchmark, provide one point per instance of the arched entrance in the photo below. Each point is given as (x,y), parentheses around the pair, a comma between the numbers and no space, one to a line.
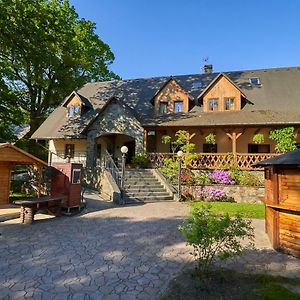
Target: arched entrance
(112,144)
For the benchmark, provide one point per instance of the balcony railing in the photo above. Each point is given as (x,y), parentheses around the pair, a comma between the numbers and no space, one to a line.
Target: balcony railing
(243,161)
(59,157)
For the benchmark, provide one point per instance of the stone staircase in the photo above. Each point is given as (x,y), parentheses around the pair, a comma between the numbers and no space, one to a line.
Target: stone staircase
(141,186)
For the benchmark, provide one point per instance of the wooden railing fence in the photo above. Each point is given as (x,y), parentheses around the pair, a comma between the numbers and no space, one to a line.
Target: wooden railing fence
(243,161)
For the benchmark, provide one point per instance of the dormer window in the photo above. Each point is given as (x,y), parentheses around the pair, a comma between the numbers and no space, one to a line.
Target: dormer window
(229,104)
(73,110)
(178,106)
(163,107)
(213,104)
(254,81)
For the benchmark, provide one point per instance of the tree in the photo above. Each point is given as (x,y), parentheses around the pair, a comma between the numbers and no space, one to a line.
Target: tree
(46,51)
(284,138)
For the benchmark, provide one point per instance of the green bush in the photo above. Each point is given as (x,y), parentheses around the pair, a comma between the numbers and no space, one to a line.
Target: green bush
(250,179)
(212,235)
(170,169)
(140,159)
(202,178)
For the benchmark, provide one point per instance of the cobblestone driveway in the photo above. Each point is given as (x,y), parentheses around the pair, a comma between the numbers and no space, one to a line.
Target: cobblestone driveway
(117,253)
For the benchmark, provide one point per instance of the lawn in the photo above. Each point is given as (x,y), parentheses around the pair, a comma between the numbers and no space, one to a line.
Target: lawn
(226,284)
(246,210)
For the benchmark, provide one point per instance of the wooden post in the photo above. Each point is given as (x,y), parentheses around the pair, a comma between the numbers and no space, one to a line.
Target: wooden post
(40,181)
(234,136)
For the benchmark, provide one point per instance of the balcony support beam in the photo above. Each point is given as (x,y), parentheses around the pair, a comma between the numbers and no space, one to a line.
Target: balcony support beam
(234,136)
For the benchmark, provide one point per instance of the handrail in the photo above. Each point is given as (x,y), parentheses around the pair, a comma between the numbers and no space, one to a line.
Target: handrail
(109,165)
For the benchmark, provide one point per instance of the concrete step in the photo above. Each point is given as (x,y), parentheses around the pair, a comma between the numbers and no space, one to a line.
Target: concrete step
(142,186)
(146,194)
(141,182)
(147,199)
(134,189)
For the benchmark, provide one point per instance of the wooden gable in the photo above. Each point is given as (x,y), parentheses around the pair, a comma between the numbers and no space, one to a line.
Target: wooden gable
(222,89)
(171,92)
(12,154)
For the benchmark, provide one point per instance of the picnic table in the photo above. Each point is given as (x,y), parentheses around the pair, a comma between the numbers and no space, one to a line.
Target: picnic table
(29,207)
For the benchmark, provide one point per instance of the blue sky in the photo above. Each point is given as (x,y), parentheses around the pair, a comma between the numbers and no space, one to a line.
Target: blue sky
(156,38)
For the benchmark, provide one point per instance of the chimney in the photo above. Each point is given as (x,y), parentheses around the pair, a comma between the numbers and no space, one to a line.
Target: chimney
(208,69)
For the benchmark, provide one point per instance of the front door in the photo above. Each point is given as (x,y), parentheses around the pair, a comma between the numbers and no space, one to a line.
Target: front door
(131,150)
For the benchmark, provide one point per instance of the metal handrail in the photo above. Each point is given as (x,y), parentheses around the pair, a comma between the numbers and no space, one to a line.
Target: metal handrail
(109,165)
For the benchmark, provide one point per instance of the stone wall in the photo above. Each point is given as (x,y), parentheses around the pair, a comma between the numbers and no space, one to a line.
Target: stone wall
(115,119)
(240,194)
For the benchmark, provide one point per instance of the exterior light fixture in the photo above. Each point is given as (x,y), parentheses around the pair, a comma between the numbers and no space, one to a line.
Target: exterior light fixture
(179,155)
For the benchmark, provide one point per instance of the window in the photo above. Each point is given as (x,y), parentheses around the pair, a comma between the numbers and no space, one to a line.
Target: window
(76,176)
(213,104)
(196,85)
(163,107)
(73,110)
(229,103)
(258,148)
(69,150)
(178,106)
(254,81)
(210,148)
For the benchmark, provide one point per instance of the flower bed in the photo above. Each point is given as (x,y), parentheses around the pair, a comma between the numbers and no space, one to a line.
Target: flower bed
(227,193)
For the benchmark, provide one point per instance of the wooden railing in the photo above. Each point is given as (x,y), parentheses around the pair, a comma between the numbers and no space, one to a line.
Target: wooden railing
(243,161)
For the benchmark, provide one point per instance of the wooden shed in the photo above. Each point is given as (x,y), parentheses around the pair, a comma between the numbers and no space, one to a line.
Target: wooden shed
(10,156)
(282,201)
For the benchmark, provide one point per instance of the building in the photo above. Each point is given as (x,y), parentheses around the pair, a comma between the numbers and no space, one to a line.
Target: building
(234,106)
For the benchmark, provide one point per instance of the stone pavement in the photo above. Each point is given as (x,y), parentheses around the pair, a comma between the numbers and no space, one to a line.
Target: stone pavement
(126,253)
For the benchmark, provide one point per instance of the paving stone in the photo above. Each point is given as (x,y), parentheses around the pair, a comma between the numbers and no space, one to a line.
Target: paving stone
(120,253)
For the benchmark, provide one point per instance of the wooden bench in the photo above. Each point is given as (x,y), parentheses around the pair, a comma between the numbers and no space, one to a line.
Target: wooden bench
(29,207)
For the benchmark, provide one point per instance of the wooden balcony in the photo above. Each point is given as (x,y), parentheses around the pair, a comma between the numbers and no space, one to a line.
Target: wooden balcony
(243,161)
(59,157)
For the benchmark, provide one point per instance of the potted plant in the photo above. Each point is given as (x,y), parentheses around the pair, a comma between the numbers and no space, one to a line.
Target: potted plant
(258,138)
(210,139)
(140,160)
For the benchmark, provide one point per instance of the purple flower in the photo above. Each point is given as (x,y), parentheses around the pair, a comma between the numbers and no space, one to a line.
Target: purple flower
(221,177)
(211,194)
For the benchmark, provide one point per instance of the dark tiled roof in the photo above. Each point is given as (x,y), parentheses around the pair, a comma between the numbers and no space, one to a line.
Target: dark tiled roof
(279,91)
(236,118)
(291,158)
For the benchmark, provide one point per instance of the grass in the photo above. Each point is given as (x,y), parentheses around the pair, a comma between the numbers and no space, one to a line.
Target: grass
(245,210)
(227,284)
(271,287)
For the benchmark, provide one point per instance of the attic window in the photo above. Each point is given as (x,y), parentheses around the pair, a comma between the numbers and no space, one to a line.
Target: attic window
(254,81)
(73,110)
(178,106)
(196,84)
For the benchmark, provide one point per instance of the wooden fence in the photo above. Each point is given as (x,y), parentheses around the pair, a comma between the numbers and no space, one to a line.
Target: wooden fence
(243,161)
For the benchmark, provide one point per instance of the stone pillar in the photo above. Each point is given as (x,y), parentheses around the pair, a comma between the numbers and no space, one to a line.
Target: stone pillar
(90,152)
(139,142)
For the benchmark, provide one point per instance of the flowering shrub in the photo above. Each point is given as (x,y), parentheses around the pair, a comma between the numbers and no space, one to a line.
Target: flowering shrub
(221,177)
(212,194)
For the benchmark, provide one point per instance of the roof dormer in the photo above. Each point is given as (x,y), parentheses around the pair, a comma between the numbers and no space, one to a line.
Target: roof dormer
(76,105)
(221,94)
(171,98)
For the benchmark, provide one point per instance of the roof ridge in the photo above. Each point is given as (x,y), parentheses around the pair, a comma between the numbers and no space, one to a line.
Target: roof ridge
(193,74)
